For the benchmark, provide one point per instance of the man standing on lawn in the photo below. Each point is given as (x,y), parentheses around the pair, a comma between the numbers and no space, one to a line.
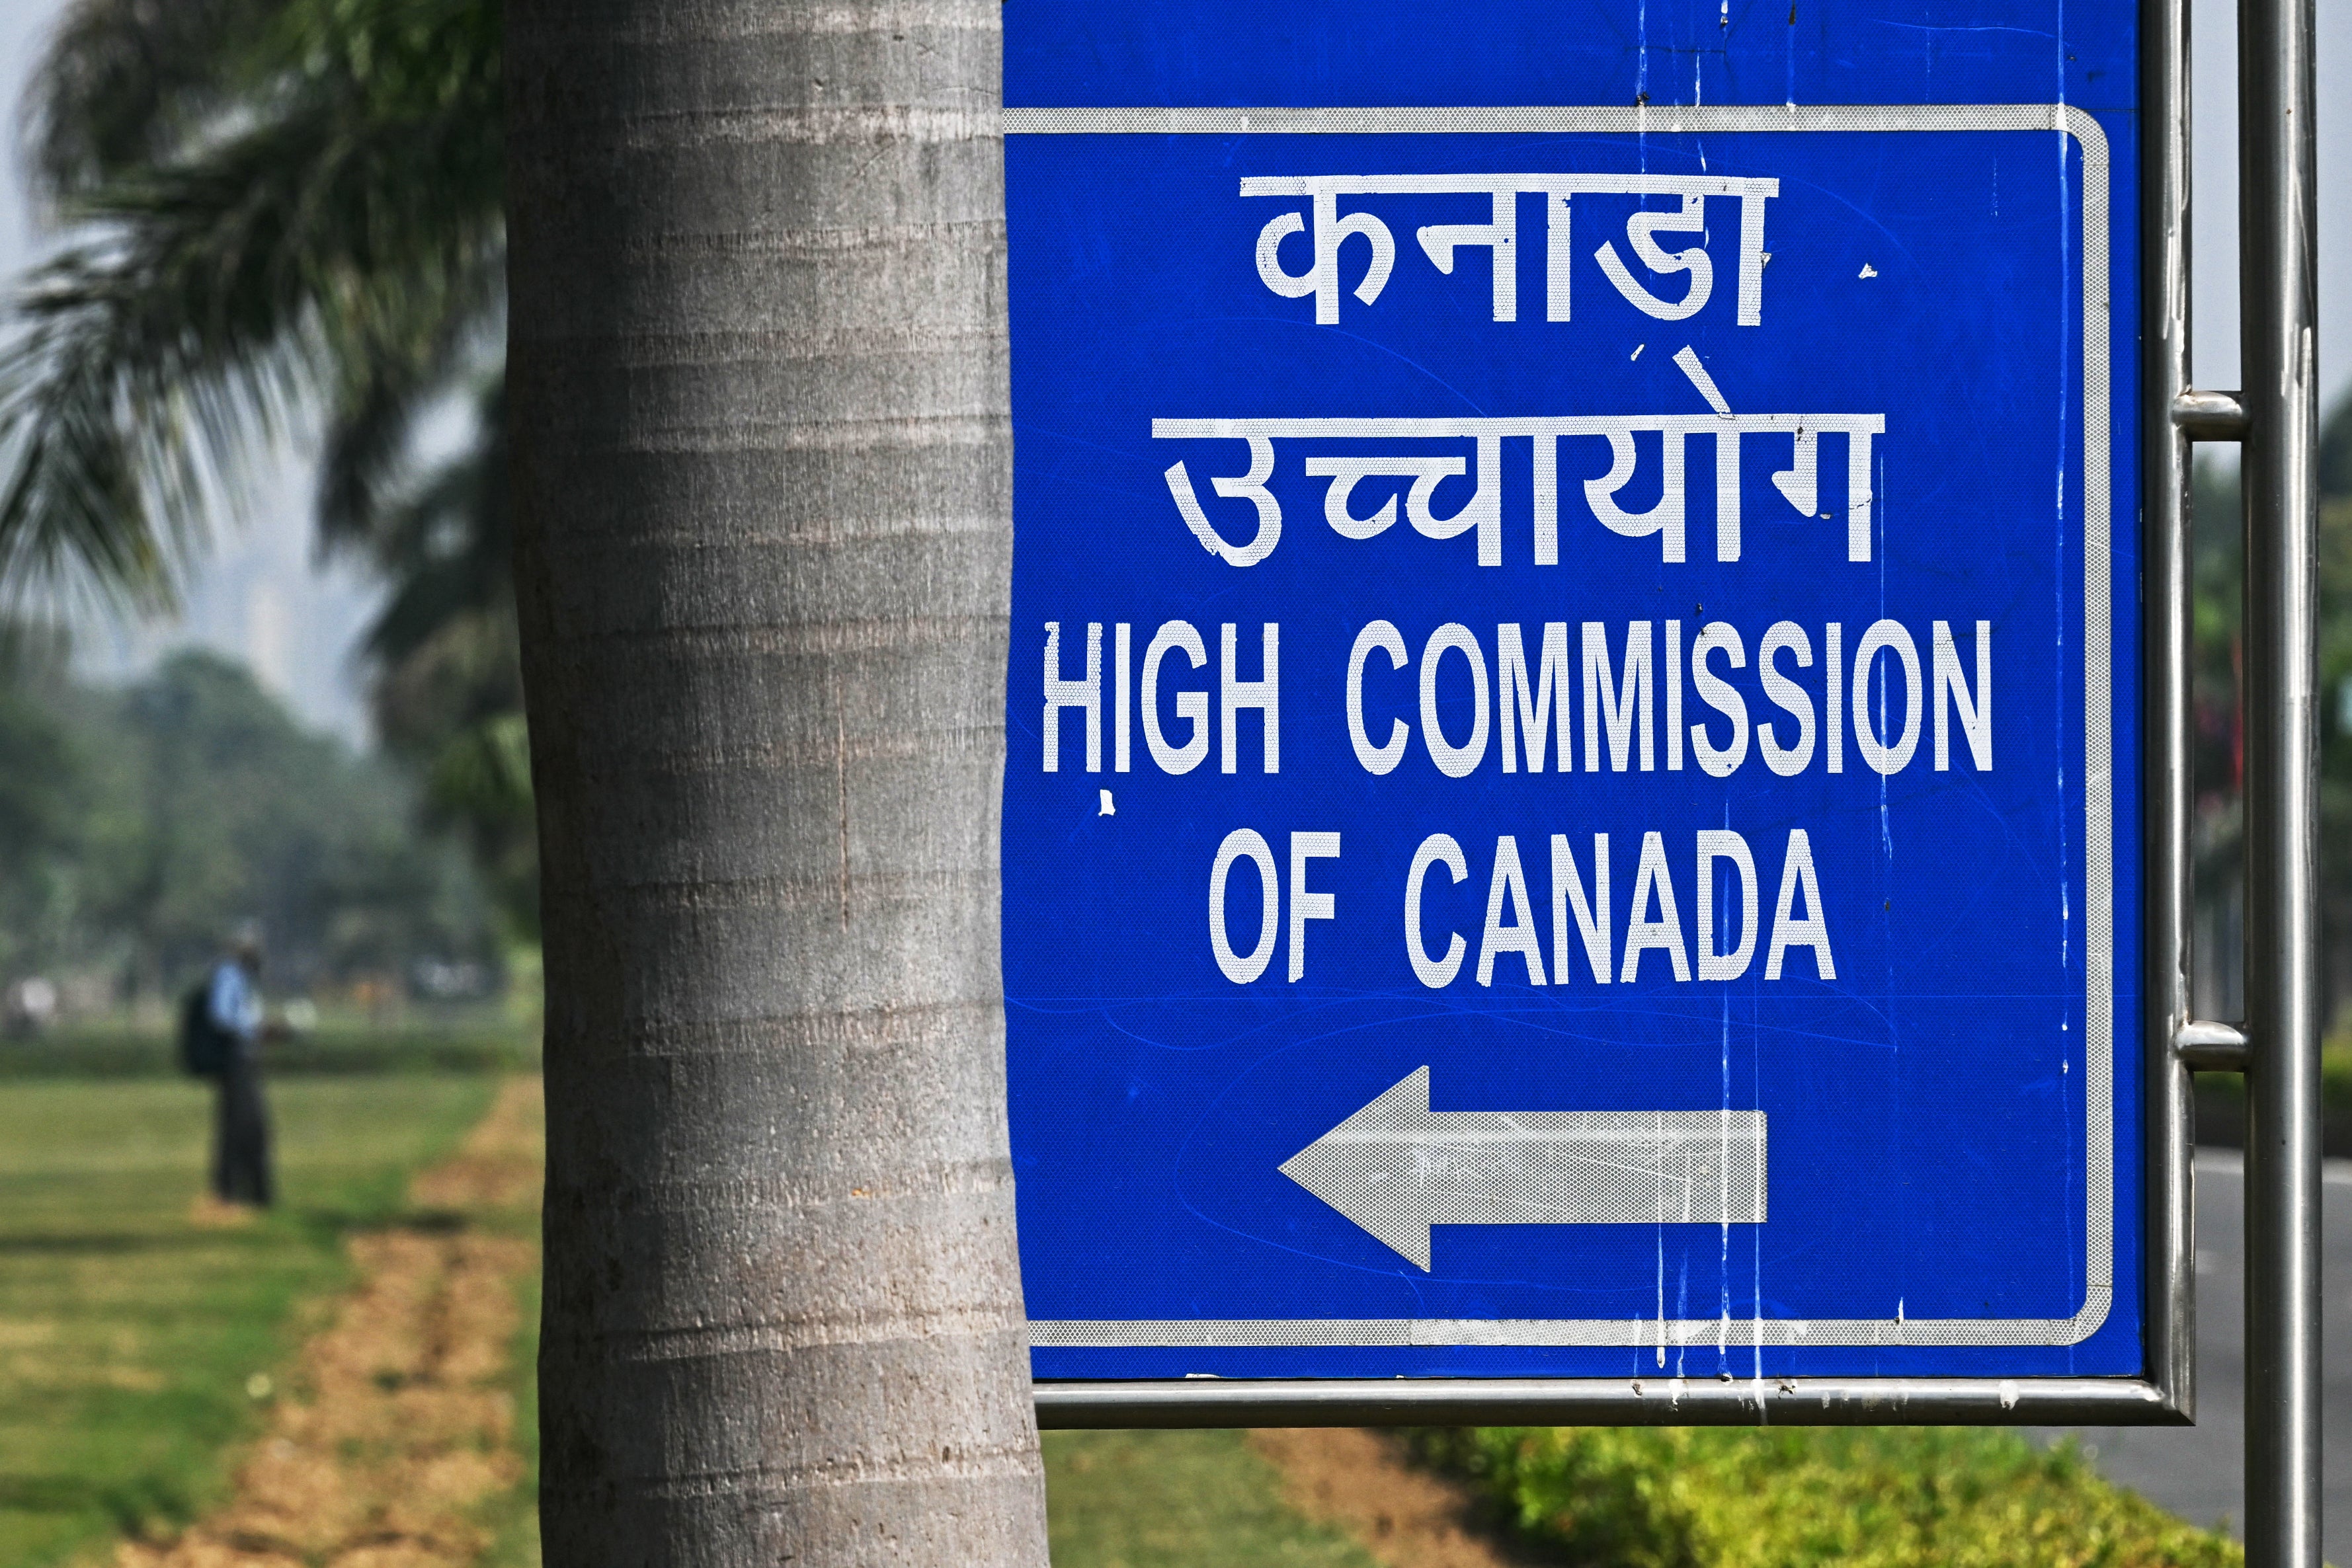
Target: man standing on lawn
(241,1134)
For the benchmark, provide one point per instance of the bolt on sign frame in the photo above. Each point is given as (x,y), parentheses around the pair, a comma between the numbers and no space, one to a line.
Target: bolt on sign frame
(2148,166)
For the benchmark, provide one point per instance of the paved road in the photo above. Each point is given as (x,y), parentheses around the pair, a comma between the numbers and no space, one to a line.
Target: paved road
(2198,1472)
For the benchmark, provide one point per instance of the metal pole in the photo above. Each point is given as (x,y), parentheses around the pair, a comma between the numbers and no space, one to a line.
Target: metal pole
(2277,258)
(2171,1326)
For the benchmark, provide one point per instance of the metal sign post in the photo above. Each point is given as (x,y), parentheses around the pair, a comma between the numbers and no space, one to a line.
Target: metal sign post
(2279,308)
(1596,826)
(2276,420)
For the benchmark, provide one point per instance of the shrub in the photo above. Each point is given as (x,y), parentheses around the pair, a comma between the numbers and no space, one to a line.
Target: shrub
(1780,1498)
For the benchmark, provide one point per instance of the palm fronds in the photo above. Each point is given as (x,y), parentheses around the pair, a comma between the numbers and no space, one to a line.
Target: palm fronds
(282,211)
(445,545)
(333,239)
(126,84)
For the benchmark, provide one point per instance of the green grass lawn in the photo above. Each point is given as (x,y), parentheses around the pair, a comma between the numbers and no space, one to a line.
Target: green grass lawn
(515,1517)
(475,1042)
(1177,1500)
(129,1333)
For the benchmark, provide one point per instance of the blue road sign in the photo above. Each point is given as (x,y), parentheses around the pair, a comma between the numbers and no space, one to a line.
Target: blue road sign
(1572,799)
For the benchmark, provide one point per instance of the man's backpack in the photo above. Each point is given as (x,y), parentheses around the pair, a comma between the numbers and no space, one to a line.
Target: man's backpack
(204,1044)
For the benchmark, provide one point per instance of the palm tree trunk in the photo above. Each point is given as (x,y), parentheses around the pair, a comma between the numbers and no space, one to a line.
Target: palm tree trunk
(761,492)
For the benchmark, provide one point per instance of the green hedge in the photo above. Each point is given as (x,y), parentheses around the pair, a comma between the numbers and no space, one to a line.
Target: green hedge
(1858,1497)
(131,1054)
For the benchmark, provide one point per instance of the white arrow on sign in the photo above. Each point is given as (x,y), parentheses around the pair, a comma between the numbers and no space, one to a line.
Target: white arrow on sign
(1396,1168)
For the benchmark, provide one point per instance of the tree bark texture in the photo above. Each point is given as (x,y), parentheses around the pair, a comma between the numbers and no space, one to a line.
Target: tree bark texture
(761,484)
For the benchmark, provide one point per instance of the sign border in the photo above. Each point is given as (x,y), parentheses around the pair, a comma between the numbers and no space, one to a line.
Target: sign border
(2098,738)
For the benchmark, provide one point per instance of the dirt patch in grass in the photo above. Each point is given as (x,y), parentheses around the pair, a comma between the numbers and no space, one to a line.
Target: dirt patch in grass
(1362,1483)
(396,1429)
(500,1164)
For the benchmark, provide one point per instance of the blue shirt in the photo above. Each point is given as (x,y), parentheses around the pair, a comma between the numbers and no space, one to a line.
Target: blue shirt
(236,1005)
